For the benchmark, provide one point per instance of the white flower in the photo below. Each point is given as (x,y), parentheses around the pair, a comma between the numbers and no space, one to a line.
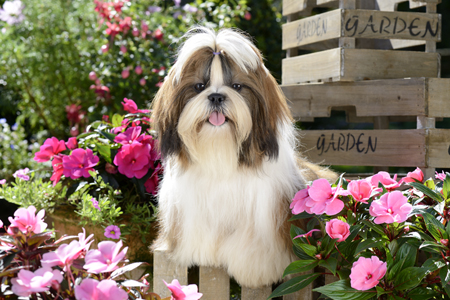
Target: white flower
(12,12)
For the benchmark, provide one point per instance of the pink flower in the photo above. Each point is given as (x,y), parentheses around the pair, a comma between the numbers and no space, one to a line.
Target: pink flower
(22,174)
(79,163)
(362,190)
(125,73)
(130,136)
(298,204)
(135,32)
(28,282)
(441,176)
(142,81)
(366,273)
(106,258)
(323,198)
(3,181)
(130,106)
(74,113)
(180,292)
(151,185)
(384,177)
(72,143)
(92,76)
(64,255)
(247,16)
(112,232)
(1,224)
(158,34)
(26,220)
(105,48)
(85,243)
(144,26)
(133,160)
(416,174)
(308,234)
(58,169)
(391,207)
(111,169)
(50,148)
(138,70)
(91,289)
(95,203)
(337,229)
(123,49)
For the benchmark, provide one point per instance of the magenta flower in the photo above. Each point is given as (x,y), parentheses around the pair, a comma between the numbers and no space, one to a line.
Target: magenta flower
(308,234)
(58,169)
(106,258)
(131,135)
(50,148)
(323,198)
(28,282)
(181,292)
(366,273)
(1,224)
(417,174)
(385,179)
(79,163)
(362,190)
(95,203)
(441,176)
(63,256)
(3,181)
(337,229)
(27,221)
(151,185)
(133,160)
(298,204)
(91,289)
(130,106)
(72,143)
(22,174)
(391,207)
(112,232)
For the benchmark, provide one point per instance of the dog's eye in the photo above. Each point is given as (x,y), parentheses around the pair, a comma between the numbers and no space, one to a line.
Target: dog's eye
(199,87)
(237,86)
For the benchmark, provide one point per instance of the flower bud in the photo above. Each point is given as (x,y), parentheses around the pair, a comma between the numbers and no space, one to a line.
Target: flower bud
(318,256)
(444,242)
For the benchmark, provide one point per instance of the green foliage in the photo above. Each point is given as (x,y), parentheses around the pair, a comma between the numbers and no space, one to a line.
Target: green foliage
(16,150)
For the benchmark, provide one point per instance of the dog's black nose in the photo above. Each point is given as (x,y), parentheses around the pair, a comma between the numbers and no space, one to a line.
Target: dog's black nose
(216,98)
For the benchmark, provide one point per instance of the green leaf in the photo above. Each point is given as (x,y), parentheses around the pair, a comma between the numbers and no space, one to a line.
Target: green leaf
(104,151)
(409,278)
(6,261)
(107,135)
(341,290)
(444,273)
(433,264)
(432,246)
(303,215)
(422,293)
(300,266)
(293,285)
(435,227)
(369,243)
(446,187)
(427,191)
(373,226)
(309,249)
(330,264)
(116,120)
(405,258)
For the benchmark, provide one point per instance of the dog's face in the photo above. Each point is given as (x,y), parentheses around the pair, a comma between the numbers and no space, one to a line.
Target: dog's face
(219,105)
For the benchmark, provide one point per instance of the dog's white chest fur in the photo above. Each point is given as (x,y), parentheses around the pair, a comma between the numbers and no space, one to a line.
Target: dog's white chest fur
(231,220)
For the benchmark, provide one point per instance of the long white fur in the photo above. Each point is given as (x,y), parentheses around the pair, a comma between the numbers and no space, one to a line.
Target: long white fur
(227,213)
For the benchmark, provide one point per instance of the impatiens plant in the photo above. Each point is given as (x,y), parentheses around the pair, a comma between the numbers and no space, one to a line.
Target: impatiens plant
(35,265)
(373,238)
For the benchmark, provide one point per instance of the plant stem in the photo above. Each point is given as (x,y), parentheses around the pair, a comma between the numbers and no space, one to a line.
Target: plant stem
(335,246)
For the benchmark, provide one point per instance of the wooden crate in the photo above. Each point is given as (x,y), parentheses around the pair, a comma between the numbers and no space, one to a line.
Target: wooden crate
(359,44)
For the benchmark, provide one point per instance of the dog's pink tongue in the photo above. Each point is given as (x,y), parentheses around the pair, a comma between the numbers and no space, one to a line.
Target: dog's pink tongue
(217,118)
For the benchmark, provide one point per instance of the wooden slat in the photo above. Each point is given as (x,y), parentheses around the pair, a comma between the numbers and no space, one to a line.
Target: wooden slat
(214,283)
(405,148)
(313,29)
(261,293)
(328,3)
(439,148)
(357,23)
(359,64)
(421,3)
(404,97)
(297,6)
(165,269)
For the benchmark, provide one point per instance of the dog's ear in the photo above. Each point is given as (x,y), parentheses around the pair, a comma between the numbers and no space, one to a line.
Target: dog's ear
(269,111)
(165,118)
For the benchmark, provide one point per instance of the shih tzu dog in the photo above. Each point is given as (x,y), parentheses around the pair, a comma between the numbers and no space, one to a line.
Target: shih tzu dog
(230,163)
